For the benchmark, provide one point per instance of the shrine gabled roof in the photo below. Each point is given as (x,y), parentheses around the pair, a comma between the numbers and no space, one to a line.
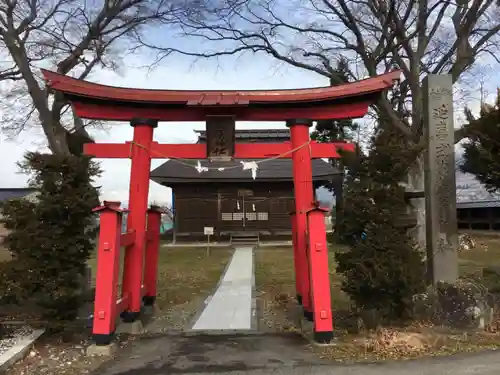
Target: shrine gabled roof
(253,135)
(172,172)
(76,88)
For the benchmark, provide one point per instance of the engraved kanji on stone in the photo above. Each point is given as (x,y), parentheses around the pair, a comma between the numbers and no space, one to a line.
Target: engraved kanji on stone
(443,150)
(442,113)
(440,194)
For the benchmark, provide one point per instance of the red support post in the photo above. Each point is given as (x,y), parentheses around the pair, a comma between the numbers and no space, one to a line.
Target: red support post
(296,260)
(151,258)
(304,196)
(136,221)
(320,276)
(108,268)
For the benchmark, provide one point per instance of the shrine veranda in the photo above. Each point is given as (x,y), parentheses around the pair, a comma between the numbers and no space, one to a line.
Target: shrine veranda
(220,110)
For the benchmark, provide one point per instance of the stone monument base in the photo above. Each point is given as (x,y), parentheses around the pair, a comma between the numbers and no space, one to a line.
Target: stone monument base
(133,328)
(102,350)
(464,304)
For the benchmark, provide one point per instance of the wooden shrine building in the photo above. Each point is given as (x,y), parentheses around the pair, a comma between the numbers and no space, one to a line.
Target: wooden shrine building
(231,201)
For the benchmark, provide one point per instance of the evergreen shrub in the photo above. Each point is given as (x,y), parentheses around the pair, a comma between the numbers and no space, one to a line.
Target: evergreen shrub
(52,235)
(482,148)
(383,269)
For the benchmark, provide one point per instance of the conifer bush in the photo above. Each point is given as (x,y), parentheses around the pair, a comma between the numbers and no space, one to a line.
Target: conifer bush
(383,269)
(482,148)
(53,235)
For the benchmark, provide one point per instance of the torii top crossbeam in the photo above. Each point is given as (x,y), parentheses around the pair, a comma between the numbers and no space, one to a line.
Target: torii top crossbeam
(101,102)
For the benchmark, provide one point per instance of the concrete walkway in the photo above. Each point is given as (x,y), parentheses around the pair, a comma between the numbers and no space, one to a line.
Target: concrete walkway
(230,308)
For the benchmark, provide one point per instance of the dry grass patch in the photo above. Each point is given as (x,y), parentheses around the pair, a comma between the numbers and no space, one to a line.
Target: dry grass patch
(486,253)
(406,343)
(187,273)
(276,302)
(186,276)
(275,283)
(184,273)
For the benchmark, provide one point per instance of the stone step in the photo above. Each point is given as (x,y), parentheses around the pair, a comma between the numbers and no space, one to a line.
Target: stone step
(243,240)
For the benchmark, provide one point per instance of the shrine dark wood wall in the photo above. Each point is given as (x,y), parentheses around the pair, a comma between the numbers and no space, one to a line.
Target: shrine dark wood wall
(232,208)
(232,202)
(479,215)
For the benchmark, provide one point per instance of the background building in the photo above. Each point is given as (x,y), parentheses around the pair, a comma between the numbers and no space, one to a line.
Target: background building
(231,201)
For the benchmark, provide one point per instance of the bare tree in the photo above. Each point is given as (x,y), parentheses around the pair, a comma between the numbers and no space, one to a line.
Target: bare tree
(168,212)
(74,37)
(419,37)
(375,36)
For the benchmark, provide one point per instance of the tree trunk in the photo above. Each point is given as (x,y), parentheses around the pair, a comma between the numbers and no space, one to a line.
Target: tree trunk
(57,139)
(50,121)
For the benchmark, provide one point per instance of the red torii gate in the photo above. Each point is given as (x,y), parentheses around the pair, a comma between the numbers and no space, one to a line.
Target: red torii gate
(143,109)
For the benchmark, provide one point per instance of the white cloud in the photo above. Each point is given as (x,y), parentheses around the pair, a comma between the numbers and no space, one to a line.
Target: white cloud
(174,74)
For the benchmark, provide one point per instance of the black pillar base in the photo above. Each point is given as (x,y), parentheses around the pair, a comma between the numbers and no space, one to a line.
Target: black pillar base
(149,300)
(101,339)
(130,316)
(323,337)
(299,299)
(144,121)
(309,315)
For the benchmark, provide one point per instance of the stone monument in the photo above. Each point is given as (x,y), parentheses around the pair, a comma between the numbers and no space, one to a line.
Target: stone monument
(440,189)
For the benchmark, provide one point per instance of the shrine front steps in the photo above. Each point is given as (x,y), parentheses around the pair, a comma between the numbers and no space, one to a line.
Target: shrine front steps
(244,238)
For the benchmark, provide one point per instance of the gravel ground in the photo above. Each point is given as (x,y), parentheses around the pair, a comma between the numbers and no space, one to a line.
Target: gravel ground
(51,356)
(176,318)
(275,313)
(10,335)
(54,357)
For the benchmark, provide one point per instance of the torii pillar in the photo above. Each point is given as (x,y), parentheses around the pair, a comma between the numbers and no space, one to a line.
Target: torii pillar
(304,198)
(136,220)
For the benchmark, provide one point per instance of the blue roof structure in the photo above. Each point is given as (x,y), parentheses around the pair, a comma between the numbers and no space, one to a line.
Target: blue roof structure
(479,204)
(472,194)
(11,193)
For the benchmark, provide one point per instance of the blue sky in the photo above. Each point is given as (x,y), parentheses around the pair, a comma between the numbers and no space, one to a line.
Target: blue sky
(175,72)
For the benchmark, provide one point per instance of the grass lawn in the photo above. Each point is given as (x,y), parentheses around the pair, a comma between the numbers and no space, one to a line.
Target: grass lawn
(274,275)
(185,273)
(274,269)
(486,253)
(275,284)
(186,276)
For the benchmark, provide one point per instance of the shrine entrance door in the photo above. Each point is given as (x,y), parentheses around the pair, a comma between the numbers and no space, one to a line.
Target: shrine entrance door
(242,211)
